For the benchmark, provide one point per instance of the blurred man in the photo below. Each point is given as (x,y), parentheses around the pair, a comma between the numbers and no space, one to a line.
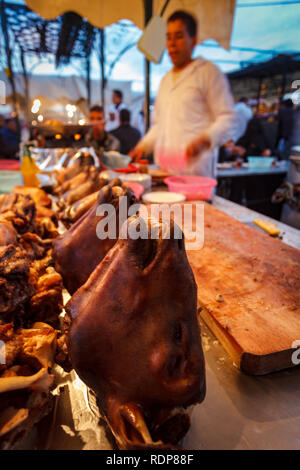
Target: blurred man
(127,135)
(98,137)
(286,116)
(114,110)
(9,139)
(2,122)
(194,109)
(10,132)
(243,115)
(255,141)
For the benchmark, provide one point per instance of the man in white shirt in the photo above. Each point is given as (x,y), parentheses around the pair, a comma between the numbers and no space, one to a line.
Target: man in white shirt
(194,109)
(114,110)
(243,115)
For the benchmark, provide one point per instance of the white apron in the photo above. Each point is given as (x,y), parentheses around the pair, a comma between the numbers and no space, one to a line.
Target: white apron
(199,101)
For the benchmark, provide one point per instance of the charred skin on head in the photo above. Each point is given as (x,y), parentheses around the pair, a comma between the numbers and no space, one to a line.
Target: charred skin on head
(134,338)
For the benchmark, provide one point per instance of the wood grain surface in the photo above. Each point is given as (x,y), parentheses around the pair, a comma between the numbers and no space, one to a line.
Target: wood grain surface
(248,292)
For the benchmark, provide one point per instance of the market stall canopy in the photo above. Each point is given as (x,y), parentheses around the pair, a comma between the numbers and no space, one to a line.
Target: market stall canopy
(64,37)
(215,18)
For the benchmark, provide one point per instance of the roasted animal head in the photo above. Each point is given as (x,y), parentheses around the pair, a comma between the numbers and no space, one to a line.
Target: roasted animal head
(135,340)
(79,250)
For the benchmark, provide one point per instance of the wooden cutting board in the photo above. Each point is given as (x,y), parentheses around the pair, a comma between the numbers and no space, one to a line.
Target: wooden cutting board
(248,292)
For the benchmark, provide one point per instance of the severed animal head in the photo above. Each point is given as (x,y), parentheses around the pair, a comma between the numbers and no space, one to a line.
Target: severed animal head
(135,340)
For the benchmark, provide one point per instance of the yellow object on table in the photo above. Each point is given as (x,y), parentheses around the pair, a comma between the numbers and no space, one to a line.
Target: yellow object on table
(269,227)
(29,169)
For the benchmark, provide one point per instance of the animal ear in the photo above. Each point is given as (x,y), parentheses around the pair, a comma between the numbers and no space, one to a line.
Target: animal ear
(129,427)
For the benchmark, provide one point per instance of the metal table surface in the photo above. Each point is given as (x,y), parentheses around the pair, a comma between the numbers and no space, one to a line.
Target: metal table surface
(242,411)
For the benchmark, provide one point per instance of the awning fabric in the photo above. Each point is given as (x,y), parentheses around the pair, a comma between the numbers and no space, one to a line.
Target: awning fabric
(215,17)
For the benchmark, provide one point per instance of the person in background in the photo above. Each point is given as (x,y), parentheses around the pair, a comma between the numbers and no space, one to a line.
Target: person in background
(127,135)
(114,110)
(194,109)
(286,117)
(9,139)
(139,123)
(98,137)
(243,115)
(10,132)
(2,122)
(296,127)
(254,142)
(230,152)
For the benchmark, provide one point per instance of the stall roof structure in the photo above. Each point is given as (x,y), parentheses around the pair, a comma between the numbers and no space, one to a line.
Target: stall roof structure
(65,37)
(281,64)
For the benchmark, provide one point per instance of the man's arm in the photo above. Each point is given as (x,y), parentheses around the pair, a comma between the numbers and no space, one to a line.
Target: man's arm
(221,106)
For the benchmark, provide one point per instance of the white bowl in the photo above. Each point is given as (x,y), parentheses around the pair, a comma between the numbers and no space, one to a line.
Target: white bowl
(141,178)
(163,197)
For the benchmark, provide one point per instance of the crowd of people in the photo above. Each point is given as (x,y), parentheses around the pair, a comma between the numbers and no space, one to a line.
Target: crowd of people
(253,135)
(273,134)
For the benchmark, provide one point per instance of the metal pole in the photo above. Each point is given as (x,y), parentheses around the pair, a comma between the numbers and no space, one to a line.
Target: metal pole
(259,93)
(102,66)
(148,4)
(88,81)
(26,86)
(283,80)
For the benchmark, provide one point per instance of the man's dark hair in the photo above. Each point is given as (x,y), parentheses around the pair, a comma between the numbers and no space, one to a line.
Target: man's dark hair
(10,119)
(124,116)
(118,93)
(243,99)
(97,108)
(187,19)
